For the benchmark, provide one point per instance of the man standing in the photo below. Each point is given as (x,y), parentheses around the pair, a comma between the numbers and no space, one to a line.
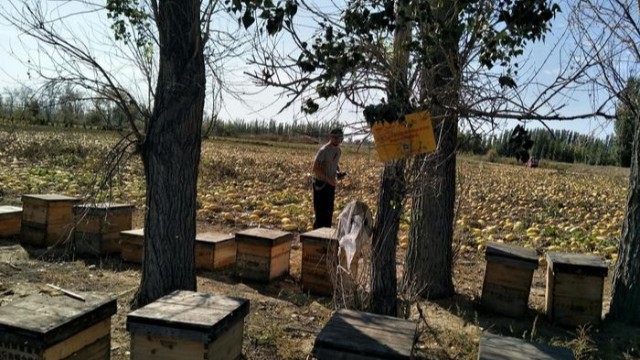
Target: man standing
(325,172)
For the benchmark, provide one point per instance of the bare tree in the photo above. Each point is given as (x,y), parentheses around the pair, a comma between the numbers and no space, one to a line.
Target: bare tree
(166,40)
(608,33)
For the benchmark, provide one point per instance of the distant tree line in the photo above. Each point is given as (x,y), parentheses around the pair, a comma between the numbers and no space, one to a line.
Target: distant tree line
(556,145)
(68,107)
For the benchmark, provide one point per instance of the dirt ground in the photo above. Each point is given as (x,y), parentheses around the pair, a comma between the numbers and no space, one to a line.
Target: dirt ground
(284,321)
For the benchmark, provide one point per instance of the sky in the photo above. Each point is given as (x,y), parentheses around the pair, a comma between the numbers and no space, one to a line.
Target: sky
(92,30)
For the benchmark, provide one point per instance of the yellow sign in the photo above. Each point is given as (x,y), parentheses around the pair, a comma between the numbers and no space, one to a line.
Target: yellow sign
(398,140)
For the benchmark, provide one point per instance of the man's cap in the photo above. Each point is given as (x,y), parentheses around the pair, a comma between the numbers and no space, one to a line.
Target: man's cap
(336,132)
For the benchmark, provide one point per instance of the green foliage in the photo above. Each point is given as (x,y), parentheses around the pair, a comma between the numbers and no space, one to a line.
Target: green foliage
(128,11)
(627,115)
(274,16)
(501,31)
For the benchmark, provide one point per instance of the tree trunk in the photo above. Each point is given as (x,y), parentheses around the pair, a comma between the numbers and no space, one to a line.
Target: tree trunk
(171,154)
(429,256)
(384,299)
(625,295)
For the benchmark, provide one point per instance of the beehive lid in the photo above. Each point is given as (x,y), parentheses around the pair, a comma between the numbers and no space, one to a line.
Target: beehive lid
(262,236)
(188,315)
(8,210)
(324,234)
(135,232)
(368,335)
(43,320)
(214,237)
(50,197)
(493,347)
(577,264)
(515,255)
(103,208)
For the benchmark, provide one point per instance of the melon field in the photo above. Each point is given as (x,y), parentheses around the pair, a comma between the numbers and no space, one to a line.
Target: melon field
(247,183)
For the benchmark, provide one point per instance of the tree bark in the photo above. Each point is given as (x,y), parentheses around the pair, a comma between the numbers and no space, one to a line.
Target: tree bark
(429,256)
(384,293)
(625,295)
(171,154)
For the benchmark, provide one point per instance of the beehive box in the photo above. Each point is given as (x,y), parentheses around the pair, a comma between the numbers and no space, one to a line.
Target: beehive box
(215,251)
(356,335)
(131,245)
(188,325)
(43,327)
(507,278)
(495,347)
(46,219)
(263,254)
(98,227)
(10,220)
(575,284)
(320,259)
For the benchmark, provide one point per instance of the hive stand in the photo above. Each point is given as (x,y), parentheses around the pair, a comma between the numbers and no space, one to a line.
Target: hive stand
(215,251)
(10,220)
(42,327)
(98,227)
(507,278)
(131,242)
(46,219)
(575,284)
(188,325)
(495,347)
(355,335)
(263,254)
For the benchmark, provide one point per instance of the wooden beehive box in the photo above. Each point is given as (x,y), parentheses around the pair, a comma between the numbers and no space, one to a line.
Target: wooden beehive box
(131,245)
(43,327)
(10,220)
(507,278)
(98,227)
(495,347)
(575,284)
(46,219)
(188,325)
(358,335)
(263,254)
(319,260)
(215,251)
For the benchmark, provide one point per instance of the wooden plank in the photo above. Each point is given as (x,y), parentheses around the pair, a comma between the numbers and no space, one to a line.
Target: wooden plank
(44,320)
(367,334)
(215,238)
(508,276)
(319,236)
(504,300)
(494,347)
(154,347)
(577,264)
(10,212)
(79,341)
(103,209)
(579,286)
(99,350)
(263,237)
(548,292)
(189,315)
(512,252)
(573,311)
(10,226)
(50,198)
(32,234)
(279,266)
(228,345)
